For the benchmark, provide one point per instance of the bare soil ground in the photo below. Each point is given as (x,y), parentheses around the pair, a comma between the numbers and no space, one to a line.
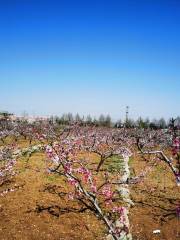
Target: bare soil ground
(156,199)
(37,209)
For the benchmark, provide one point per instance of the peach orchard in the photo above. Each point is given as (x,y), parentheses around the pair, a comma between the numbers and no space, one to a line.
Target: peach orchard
(68,154)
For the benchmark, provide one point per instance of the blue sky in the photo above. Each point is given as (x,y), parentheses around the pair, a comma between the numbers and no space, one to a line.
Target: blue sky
(90,57)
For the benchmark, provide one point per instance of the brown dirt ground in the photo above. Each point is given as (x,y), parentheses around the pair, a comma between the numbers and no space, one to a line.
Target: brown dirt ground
(155,201)
(36,210)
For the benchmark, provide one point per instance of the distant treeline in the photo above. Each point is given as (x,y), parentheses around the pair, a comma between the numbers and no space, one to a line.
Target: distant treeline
(106,121)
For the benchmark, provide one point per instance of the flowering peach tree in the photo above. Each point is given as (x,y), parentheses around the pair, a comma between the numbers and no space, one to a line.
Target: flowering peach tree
(95,193)
(165,145)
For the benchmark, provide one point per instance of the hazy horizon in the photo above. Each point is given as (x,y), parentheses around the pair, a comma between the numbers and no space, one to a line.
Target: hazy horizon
(92,58)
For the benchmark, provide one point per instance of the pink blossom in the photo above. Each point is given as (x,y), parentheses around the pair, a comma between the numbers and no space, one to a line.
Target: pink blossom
(107,192)
(93,188)
(72,181)
(68,168)
(119,210)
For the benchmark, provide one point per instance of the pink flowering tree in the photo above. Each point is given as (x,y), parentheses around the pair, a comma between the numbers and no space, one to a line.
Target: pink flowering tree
(95,193)
(105,143)
(165,145)
(7,163)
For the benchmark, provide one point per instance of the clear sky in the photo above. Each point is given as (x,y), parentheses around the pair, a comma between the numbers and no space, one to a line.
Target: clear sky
(90,57)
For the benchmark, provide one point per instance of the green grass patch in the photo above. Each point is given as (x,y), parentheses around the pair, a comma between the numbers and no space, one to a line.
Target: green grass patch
(114,164)
(52,178)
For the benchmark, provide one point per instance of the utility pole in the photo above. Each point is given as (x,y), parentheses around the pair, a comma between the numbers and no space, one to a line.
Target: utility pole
(127,115)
